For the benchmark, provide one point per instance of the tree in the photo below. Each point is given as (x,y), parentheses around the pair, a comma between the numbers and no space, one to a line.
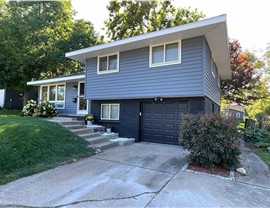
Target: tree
(245,84)
(260,105)
(34,37)
(131,18)
(267,59)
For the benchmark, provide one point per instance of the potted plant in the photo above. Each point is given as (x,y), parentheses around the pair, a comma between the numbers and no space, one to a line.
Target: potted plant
(109,128)
(89,120)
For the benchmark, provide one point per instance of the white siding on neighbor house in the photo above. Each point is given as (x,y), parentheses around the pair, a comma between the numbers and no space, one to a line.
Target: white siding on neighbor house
(212,90)
(136,80)
(2,97)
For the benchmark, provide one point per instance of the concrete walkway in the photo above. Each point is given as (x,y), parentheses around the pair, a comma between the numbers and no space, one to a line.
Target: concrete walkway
(138,175)
(259,174)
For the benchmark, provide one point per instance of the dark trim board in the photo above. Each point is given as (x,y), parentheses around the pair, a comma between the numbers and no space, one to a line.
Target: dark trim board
(166,114)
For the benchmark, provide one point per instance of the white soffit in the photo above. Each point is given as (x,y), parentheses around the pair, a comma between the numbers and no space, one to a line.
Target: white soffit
(65,79)
(218,42)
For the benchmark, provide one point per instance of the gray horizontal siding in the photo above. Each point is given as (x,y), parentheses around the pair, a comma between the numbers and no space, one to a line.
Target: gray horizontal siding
(212,90)
(135,79)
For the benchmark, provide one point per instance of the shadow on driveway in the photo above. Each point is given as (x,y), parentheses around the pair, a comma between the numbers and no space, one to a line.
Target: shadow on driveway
(122,176)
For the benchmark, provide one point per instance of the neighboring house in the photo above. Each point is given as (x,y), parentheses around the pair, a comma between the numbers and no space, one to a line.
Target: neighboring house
(11,99)
(144,84)
(237,111)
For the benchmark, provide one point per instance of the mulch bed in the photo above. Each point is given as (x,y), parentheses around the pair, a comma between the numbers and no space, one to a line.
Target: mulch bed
(216,171)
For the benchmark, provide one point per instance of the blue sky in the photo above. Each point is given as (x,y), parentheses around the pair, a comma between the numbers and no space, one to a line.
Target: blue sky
(248,20)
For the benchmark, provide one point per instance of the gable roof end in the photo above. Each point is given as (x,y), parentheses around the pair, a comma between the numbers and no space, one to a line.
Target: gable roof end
(214,29)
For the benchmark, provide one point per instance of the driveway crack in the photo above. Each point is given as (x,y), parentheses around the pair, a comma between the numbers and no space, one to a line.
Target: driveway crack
(157,193)
(79,202)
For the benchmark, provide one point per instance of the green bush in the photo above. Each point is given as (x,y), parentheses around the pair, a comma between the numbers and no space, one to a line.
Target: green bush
(256,136)
(211,139)
(241,126)
(262,145)
(44,109)
(30,108)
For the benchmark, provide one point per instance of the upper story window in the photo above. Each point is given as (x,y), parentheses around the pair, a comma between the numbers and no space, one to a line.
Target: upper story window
(54,94)
(108,64)
(165,54)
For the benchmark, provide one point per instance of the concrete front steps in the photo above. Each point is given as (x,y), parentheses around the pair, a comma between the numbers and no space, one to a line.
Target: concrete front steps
(95,139)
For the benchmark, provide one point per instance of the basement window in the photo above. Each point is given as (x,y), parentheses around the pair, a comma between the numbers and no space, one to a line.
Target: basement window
(110,111)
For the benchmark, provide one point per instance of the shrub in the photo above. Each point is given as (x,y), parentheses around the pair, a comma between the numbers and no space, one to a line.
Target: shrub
(211,139)
(241,126)
(45,109)
(256,136)
(29,108)
(262,145)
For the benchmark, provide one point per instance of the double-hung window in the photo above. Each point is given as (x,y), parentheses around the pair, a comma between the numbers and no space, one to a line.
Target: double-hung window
(165,54)
(110,111)
(108,64)
(55,94)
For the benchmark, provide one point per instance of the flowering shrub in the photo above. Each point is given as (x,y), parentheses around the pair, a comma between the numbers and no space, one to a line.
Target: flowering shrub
(45,109)
(29,108)
(211,139)
(89,118)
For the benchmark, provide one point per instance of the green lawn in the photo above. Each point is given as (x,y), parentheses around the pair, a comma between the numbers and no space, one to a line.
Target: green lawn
(265,156)
(10,112)
(30,145)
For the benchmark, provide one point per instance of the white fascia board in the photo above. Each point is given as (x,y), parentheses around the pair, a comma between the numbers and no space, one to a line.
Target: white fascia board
(55,80)
(209,21)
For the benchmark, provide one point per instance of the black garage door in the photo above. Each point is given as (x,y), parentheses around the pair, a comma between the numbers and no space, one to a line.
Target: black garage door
(160,121)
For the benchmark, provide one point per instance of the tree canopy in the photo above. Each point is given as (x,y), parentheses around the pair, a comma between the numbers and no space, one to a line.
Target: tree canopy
(267,59)
(34,37)
(131,18)
(245,84)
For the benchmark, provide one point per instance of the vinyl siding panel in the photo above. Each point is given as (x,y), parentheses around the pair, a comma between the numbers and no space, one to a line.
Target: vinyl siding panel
(212,90)
(136,80)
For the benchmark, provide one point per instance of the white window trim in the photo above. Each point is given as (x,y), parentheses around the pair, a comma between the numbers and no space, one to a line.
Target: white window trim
(48,94)
(237,115)
(164,63)
(218,80)
(110,104)
(108,71)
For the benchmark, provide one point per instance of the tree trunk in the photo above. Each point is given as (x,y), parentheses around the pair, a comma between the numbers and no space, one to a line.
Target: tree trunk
(26,95)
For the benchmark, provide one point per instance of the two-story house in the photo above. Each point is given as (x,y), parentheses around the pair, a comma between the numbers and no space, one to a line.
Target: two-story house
(144,84)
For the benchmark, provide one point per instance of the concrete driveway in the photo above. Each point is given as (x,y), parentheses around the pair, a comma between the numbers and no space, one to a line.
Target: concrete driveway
(138,175)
